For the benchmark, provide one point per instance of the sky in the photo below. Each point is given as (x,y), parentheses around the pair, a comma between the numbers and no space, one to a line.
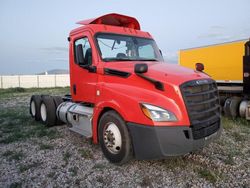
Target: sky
(33,34)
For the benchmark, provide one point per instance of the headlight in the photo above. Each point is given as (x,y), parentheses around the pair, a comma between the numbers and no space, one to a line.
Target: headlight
(157,114)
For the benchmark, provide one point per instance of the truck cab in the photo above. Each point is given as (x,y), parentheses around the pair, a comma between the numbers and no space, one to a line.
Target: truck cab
(125,97)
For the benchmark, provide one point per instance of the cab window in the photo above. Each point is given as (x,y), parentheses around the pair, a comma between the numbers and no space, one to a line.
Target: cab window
(146,51)
(86,48)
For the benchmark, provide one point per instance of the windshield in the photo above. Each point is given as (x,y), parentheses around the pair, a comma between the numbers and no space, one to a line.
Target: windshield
(115,47)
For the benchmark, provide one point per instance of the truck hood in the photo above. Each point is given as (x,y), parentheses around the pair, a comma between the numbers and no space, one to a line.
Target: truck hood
(161,71)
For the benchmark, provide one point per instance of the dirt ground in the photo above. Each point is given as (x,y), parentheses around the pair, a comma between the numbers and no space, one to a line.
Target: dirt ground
(32,155)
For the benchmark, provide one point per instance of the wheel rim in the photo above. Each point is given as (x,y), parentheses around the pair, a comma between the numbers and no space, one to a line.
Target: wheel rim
(43,112)
(112,138)
(33,108)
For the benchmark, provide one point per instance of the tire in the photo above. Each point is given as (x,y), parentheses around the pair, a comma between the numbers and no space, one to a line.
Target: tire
(243,108)
(112,131)
(231,107)
(223,100)
(226,107)
(58,100)
(35,103)
(48,111)
(234,107)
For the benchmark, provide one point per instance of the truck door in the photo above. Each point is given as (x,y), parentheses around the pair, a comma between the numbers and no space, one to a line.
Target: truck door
(246,69)
(82,79)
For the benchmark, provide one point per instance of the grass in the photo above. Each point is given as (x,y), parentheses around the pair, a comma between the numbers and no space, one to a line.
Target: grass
(66,157)
(46,147)
(23,168)
(229,159)
(237,122)
(44,131)
(73,170)
(16,185)
(86,153)
(231,153)
(238,137)
(14,137)
(99,166)
(207,175)
(24,134)
(146,182)
(18,92)
(51,174)
(7,153)
(175,162)
(13,155)
(16,156)
(77,182)
(17,125)
(100,179)
(227,124)
(237,131)
(9,91)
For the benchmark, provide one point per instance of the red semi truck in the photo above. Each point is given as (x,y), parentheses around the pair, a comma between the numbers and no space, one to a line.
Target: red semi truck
(127,99)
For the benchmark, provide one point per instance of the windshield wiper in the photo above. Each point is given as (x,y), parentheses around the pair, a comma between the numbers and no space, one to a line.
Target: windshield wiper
(146,60)
(127,59)
(117,59)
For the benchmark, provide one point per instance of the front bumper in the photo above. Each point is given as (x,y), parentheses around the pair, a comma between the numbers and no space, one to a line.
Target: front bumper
(151,142)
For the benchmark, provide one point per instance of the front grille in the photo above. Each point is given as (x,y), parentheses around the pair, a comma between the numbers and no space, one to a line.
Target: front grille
(202,103)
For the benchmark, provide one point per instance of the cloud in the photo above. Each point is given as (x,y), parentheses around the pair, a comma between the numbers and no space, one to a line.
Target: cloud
(60,59)
(222,33)
(224,37)
(210,35)
(216,31)
(217,27)
(233,37)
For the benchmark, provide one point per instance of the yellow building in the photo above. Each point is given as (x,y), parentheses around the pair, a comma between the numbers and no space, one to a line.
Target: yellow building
(223,62)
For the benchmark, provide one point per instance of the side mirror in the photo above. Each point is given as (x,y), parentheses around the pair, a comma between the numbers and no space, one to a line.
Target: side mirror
(88,57)
(199,67)
(141,68)
(79,55)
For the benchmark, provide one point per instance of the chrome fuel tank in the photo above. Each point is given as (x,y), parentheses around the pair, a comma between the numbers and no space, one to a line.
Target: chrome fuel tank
(77,116)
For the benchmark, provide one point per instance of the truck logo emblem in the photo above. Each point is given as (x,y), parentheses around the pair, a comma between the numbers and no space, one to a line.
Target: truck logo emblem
(201,82)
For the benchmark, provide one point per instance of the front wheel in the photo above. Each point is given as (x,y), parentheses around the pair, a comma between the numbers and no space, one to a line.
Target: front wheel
(114,138)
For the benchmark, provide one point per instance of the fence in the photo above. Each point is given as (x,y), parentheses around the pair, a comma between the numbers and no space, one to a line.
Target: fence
(39,81)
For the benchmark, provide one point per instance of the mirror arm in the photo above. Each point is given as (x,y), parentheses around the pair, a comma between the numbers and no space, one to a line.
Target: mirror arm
(158,85)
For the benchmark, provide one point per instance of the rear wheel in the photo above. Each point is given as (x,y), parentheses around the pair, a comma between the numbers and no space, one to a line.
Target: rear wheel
(234,107)
(35,102)
(231,107)
(114,138)
(226,107)
(243,108)
(48,111)
(58,100)
(223,100)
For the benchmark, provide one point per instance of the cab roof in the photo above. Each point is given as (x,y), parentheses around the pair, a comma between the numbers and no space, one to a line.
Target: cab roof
(114,20)
(111,23)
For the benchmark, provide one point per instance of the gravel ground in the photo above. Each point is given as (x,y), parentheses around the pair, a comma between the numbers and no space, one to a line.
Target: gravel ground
(32,155)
